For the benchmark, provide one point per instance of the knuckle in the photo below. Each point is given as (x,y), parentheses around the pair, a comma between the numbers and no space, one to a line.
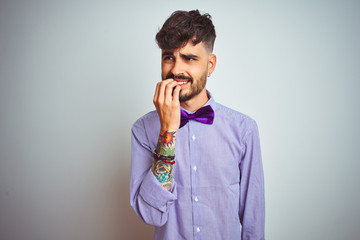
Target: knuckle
(157,101)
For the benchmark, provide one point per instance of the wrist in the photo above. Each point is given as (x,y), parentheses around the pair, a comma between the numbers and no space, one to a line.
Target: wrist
(168,129)
(166,143)
(167,137)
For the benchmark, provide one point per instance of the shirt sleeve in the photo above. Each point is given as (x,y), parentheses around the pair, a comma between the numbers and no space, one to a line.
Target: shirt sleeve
(150,201)
(252,195)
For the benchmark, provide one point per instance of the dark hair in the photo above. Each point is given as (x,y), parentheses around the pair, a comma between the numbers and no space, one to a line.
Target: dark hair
(182,26)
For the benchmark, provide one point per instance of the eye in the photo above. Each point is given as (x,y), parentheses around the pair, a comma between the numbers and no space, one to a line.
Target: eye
(168,58)
(190,59)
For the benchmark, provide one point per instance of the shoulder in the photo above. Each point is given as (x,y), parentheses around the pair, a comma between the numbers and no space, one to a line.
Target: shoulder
(150,116)
(234,121)
(147,122)
(230,114)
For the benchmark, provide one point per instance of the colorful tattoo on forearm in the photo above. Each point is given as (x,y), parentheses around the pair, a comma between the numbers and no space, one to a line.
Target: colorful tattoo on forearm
(162,170)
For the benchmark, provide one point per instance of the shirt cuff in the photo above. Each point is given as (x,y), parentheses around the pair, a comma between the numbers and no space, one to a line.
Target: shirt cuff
(155,194)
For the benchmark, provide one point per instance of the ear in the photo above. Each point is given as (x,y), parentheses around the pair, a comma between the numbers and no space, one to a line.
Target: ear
(211,63)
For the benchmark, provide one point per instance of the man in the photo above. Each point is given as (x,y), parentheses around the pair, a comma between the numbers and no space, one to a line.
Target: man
(196,168)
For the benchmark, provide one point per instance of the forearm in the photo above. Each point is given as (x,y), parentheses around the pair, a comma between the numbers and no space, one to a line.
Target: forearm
(163,170)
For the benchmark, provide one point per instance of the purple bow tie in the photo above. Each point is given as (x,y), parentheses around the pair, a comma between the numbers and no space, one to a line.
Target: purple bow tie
(203,115)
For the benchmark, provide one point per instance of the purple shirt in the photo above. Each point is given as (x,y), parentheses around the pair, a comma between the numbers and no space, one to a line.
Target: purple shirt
(218,186)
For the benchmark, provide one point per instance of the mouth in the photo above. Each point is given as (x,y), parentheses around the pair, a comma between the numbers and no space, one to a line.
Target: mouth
(181,79)
(182,82)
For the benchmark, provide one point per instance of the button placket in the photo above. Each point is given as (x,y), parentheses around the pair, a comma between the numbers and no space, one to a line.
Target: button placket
(194,158)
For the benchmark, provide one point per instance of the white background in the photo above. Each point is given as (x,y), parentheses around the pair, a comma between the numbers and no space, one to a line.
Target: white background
(75,75)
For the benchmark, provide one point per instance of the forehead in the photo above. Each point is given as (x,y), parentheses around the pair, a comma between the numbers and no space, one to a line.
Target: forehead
(189,47)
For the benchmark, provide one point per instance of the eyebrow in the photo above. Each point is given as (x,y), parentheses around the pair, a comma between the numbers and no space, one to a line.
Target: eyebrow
(186,56)
(167,53)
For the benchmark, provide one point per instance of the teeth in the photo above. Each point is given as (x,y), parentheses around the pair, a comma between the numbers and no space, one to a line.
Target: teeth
(182,82)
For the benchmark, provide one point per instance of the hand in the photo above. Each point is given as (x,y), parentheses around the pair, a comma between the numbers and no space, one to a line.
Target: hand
(166,101)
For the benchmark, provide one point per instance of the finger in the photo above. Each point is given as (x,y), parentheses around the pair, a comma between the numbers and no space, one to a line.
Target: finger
(162,87)
(169,90)
(176,93)
(167,80)
(156,94)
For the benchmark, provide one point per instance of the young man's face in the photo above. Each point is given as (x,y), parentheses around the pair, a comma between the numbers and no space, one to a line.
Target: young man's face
(189,65)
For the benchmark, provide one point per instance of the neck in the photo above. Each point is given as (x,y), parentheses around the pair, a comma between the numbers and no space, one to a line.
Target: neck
(196,102)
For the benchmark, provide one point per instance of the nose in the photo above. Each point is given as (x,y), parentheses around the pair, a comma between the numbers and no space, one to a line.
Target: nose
(178,67)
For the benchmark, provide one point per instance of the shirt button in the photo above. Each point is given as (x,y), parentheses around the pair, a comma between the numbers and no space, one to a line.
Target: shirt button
(196,199)
(197,229)
(193,137)
(195,168)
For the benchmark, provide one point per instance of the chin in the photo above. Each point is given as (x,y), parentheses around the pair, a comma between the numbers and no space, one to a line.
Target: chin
(189,94)
(183,99)
(186,97)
